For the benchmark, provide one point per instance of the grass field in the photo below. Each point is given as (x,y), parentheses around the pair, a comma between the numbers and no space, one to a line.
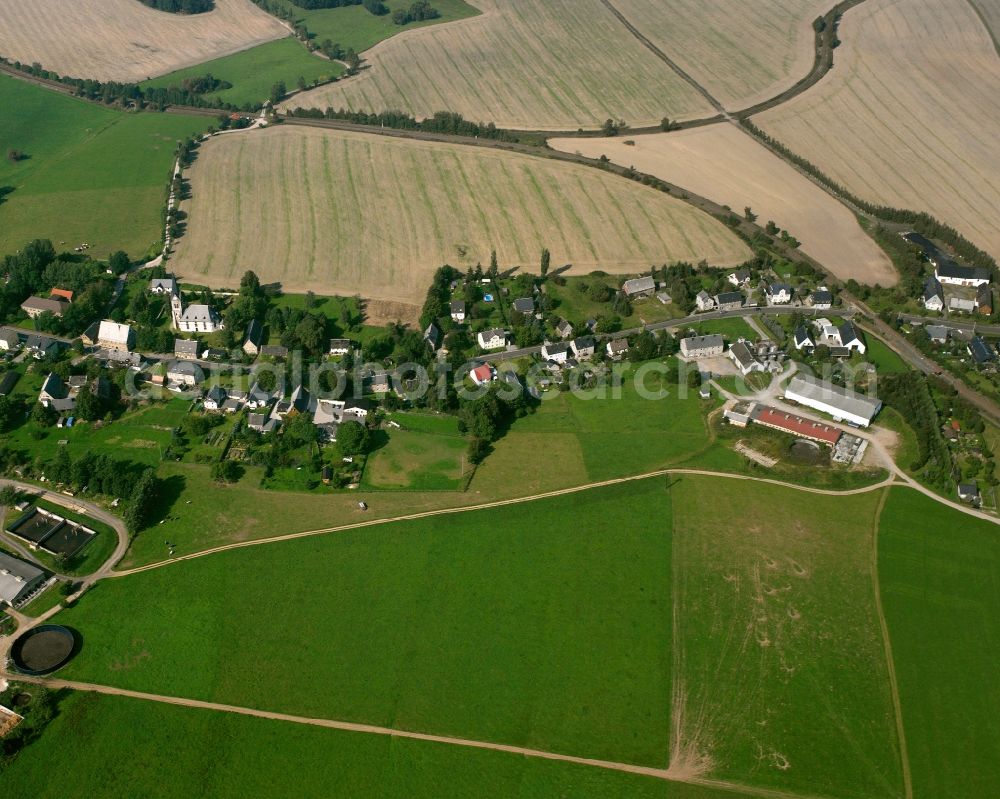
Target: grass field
(92,175)
(741,52)
(535,64)
(259,757)
(726,165)
(539,624)
(253,72)
(123,40)
(353,27)
(780,678)
(427,453)
(348,213)
(886,361)
(900,120)
(940,579)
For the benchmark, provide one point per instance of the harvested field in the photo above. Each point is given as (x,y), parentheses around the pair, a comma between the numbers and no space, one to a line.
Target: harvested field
(726,165)
(910,114)
(125,40)
(535,64)
(741,52)
(344,213)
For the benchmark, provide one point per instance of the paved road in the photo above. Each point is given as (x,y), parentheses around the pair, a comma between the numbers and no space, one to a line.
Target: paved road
(965,325)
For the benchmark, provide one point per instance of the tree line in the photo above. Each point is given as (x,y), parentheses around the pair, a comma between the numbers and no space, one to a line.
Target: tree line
(181,6)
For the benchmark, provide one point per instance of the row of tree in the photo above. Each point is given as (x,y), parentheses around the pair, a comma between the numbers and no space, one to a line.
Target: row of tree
(181,6)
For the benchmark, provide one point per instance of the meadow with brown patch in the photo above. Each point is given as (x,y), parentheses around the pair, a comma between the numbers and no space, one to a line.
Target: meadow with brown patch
(725,164)
(349,213)
(124,40)
(910,114)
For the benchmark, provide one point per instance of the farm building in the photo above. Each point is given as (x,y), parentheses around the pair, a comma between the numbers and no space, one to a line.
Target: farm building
(18,579)
(8,381)
(745,360)
(274,351)
(639,287)
(115,336)
(840,403)
(36,306)
(796,425)
(702,346)
(984,300)
(953,274)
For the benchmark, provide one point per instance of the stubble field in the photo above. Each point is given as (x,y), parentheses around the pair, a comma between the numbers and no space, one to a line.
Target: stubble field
(741,52)
(124,40)
(909,115)
(726,165)
(535,64)
(345,213)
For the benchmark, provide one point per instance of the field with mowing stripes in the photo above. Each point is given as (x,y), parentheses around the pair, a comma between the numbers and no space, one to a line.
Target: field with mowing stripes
(535,64)
(348,213)
(741,52)
(909,115)
(940,581)
(124,40)
(726,165)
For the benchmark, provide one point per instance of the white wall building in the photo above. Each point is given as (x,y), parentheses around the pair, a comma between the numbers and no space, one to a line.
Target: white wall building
(840,403)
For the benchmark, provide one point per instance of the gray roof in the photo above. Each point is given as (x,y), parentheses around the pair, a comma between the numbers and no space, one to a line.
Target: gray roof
(741,352)
(821,296)
(618,345)
(17,578)
(932,288)
(701,342)
(217,394)
(185,346)
(937,332)
(556,348)
(777,288)
(802,335)
(274,351)
(948,268)
(9,336)
(980,351)
(584,343)
(639,284)
(848,333)
(729,296)
(836,396)
(45,304)
(8,381)
(254,334)
(199,313)
(524,305)
(458,306)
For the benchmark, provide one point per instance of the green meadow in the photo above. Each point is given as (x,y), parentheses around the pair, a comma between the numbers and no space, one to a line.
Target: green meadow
(939,573)
(120,748)
(544,624)
(92,175)
(425,453)
(353,27)
(253,72)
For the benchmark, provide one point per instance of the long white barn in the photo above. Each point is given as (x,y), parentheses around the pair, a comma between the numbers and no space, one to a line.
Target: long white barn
(840,403)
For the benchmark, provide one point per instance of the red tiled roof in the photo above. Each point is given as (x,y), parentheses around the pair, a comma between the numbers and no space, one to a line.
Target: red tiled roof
(798,426)
(482,373)
(64,293)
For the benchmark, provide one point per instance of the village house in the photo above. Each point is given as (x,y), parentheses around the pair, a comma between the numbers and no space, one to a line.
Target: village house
(253,337)
(803,341)
(555,352)
(39,346)
(745,360)
(115,336)
(186,349)
(493,339)
(36,306)
(616,348)
(458,311)
(851,338)
(524,305)
(953,274)
(564,329)
(273,351)
(704,301)
(163,285)
(61,294)
(938,334)
(639,287)
(702,346)
(729,301)
(56,394)
(778,293)
(584,347)
(432,336)
(257,398)
(933,294)
(821,299)
(969,492)
(215,398)
(340,346)
(262,423)
(184,373)
(377,383)
(981,352)
(9,339)
(984,300)
(483,374)
(740,278)
(89,336)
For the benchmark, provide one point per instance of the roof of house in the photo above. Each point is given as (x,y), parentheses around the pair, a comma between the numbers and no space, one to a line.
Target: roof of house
(584,343)
(9,336)
(948,268)
(638,284)
(980,350)
(458,306)
(802,335)
(836,396)
(8,381)
(168,283)
(54,386)
(778,288)
(968,489)
(703,342)
(742,275)
(254,334)
(340,344)
(432,334)
(495,332)
(274,351)
(113,332)
(554,348)
(741,353)
(936,332)
(185,369)
(618,345)
(42,304)
(39,342)
(482,373)
(185,346)
(703,295)
(821,296)
(848,333)
(66,294)
(932,289)
(15,576)
(729,296)
(216,394)
(564,328)
(524,305)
